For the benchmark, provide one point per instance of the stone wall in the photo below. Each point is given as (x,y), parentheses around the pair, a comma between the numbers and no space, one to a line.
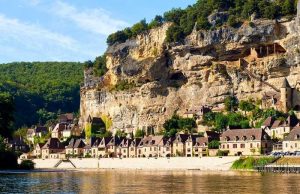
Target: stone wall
(205,163)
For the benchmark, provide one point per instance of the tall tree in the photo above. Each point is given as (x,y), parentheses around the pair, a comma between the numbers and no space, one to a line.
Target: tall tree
(6,114)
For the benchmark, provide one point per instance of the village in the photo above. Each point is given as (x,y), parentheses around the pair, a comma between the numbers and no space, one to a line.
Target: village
(66,139)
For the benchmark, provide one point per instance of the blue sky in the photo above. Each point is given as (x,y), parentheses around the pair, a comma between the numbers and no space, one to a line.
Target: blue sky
(69,30)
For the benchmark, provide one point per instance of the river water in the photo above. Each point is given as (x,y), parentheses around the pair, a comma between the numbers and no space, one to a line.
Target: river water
(114,181)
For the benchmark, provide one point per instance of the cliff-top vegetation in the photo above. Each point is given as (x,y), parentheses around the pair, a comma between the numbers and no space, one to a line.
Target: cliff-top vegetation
(233,12)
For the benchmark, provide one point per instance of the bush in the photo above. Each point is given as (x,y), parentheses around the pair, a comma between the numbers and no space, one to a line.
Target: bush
(214,144)
(8,160)
(185,19)
(27,165)
(222,152)
(250,162)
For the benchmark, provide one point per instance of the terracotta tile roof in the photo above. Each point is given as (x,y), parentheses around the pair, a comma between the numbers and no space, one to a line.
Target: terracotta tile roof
(181,138)
(135,142)
(294,135)
(212,135)
(244,134)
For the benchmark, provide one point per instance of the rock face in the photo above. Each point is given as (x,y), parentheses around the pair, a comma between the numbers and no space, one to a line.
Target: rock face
(165,79)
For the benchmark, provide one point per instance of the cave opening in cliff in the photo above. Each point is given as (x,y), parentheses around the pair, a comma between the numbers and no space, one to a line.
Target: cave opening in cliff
(177,76)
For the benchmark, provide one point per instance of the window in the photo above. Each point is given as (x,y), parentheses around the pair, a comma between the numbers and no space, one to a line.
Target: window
(150,148)
(168,149)
(223,146)
(251,145)
(154,148)
(242,145)
(234,145)
(227,146)
(286,145)
(189,150)
(295,145)
(131,149)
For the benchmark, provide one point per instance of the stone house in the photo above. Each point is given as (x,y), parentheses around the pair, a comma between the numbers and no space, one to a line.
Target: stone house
(123,148)
(18,144)
(105,150)
(133,147)
(112,146)
(179,148)
(38,131)
(148,146)
(75,148)
(58,129)
(165,147)
(278,129)
(286,99)
(37,151)
(66,118)
(292,142)
(94,147)
(200,148)
(245,142)
(53,149)
(189,144)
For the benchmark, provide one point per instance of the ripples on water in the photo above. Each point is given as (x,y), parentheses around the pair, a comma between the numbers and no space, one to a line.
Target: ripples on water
(113,181)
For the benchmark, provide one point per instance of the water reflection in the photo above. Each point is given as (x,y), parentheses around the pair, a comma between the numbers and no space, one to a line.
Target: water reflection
(114,181)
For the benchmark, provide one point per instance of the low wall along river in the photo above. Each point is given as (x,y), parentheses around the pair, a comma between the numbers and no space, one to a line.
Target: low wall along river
(205,163)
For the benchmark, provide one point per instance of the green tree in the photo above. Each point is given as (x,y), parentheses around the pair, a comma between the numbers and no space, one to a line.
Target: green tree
(139,27)
(156,22)
(139,133)
(120,133)
(288,7)
(231,103)
(99,66)
(214,144)
(246,106)
(175,34)
(6,114)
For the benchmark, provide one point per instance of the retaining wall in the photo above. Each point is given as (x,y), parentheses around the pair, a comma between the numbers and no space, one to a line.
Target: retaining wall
(205,163)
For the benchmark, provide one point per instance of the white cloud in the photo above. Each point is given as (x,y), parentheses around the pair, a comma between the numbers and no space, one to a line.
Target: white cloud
(24,41)
(96,21)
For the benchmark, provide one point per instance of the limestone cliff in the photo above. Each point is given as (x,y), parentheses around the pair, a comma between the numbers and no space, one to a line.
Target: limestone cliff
(166,78)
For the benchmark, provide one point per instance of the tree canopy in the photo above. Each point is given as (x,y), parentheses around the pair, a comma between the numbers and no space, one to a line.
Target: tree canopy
(6,114)
(184,20)
(41,90)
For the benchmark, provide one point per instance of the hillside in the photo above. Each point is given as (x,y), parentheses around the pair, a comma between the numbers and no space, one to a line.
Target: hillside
(150,78)
(42,89)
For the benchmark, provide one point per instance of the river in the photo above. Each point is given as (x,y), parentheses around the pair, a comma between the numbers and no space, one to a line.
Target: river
(113,181)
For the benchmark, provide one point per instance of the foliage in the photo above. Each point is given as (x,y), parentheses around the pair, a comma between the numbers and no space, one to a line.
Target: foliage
(220,120)
(27,165)
(21,132)
(185,19)
(156,22)
(6,113)
(120,133)
(176,124)
(42,139)
(246,106)
(231,103)
(8,159)
(41,89)
(214,144)
(123,85)
(222,152)
(250,162)
(139,133)
(107,121)
(99,66)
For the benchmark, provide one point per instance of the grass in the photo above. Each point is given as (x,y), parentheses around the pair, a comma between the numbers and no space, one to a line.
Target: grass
(288,160)
(249,163)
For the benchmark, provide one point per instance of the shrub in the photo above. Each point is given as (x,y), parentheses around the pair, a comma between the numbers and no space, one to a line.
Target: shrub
(27,165)
(222,152)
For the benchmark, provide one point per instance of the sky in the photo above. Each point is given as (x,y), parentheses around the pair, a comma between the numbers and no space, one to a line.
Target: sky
(69,30)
